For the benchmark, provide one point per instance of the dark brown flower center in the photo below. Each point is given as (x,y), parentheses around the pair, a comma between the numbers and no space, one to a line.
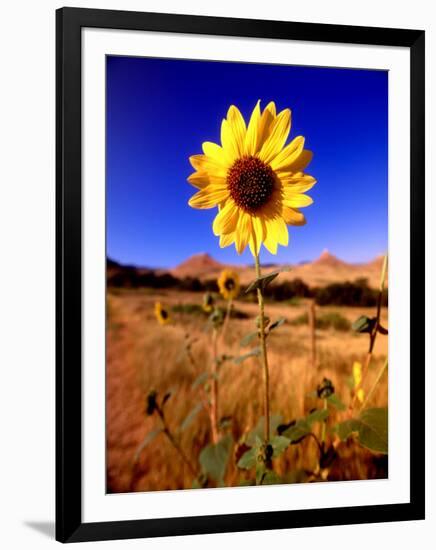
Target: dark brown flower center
(251,183)
(164,314)
(229,284)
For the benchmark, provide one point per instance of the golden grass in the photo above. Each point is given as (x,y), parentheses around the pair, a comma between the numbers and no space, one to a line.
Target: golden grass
(141,356)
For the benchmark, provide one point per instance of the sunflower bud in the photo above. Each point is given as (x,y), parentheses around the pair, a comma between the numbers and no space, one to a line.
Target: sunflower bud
(208,302)
(151,403)
(325,389)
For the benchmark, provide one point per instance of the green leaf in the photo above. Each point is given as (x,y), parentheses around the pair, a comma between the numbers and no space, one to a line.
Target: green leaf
(201,379)
(318,415)
(214,458)
(279,444)
(371,428)
(335,402)
(248,338)
(271,478)
(258,431)
(382,330)
(264,281)
(248,459)
(255,352)
(277,324)
(246,483)
(147,440)
(298,431)
(363,324)
(190,417)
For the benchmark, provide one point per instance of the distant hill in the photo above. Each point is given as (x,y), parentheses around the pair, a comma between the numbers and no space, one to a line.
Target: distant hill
(326,269)
(199,265)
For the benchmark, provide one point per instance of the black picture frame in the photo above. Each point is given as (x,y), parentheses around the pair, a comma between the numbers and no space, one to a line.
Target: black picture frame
(69,525)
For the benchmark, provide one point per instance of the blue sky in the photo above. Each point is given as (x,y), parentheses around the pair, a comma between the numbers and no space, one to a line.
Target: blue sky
(160,111)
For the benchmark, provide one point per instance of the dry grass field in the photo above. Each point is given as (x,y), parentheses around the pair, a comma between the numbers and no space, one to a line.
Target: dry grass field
(142,356)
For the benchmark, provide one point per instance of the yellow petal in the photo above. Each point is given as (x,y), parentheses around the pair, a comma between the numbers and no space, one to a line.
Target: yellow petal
(203,163)
(258,234)
(217,153)
(281,231)
(270,241)
(226,240)
(265,123)
(202,179)
(357,373)
(296,200)
(293,216)
(251,135)
(243,232)
(288,155)
(299,184)
(296,164)
(277,137)
(226,219)
(237,124)
(209,197)
(228,139)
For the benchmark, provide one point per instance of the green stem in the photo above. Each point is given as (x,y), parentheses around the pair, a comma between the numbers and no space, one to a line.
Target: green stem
(175,443)
(226,320)
(324,424)
(377,380)
(214,388)
(263,351)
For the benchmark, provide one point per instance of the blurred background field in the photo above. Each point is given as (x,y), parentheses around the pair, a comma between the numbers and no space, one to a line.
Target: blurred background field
(143,355)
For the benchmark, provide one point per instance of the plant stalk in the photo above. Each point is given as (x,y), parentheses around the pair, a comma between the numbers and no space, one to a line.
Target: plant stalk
(175,443)
(377,380)
(374,332)
(214,388)
(263,351)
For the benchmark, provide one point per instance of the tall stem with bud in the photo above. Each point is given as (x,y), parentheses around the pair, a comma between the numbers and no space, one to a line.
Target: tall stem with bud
(264,355)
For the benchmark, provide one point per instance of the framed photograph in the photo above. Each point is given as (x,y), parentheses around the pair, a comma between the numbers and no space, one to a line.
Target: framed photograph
(240,274)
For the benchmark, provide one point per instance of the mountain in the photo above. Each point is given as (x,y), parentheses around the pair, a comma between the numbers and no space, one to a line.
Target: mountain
(329,260)
(199,265)
(324,270)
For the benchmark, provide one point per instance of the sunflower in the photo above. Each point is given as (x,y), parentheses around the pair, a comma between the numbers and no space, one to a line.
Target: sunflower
(162,314)
(254,179)
(208,302)
(228,283)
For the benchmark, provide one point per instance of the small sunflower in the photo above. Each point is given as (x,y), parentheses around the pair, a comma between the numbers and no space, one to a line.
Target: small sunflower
(208,302)
(162,314)
(228,283)
(254,179)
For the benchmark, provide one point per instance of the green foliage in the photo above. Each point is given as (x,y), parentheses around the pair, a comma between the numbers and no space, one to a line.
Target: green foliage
(333,320)
(147,440)
(290,291)
(258,431)
(248,459)
(255,352)
(262,282)
(349,294)
(277,324)
(364,324)
(189,309)
(279,444)
(371,427)
(335,402)
(200,380)
(324,322)
(270,478)
(248,338)
(190,417)
(301,428)
(214,458)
